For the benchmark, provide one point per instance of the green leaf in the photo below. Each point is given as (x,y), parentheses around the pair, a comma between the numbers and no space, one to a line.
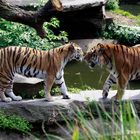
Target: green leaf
(75,135)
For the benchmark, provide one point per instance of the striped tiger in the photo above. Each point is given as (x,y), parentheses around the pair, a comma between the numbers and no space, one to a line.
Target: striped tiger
(47,65)
(122,62)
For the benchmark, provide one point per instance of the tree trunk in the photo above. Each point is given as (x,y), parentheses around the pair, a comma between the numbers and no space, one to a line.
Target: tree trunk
(33,19)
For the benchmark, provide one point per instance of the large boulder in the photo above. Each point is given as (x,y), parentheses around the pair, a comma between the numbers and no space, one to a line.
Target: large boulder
(39,110)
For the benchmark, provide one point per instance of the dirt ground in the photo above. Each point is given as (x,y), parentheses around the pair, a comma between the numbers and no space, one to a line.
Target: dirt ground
(121,19)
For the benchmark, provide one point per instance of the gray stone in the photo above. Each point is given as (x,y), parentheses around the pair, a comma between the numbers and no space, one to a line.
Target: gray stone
(67,4)
(13,136)
(39,110)
(71,5)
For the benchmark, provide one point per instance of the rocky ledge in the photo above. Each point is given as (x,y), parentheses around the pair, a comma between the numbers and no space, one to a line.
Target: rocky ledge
(39,110)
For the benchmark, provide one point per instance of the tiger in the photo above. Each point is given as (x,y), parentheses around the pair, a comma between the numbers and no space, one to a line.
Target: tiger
(47,65)
(122,62)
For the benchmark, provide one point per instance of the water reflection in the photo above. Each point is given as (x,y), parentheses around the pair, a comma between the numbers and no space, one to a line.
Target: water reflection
(78,74)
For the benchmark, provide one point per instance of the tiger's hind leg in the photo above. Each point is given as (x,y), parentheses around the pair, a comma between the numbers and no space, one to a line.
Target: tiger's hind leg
(3,97)
(9,92)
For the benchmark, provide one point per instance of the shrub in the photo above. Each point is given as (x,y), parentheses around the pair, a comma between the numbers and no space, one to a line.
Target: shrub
(22,35)
(13,122)
(112,4)
(123,34)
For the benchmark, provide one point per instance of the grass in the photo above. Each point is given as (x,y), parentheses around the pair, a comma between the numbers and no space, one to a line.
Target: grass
(127,14)
(121,123)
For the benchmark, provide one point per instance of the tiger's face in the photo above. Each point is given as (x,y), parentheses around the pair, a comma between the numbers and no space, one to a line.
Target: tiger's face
(77,52)
(95,56)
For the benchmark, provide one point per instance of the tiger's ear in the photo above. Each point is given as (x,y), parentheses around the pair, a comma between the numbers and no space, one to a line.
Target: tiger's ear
(71,46)
(101,50)
(100,45)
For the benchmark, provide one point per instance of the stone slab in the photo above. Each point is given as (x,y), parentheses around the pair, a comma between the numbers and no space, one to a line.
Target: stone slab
(70,5)
(39,110)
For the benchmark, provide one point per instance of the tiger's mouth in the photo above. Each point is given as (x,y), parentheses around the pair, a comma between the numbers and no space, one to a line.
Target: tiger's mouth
(92,65)
(79,58)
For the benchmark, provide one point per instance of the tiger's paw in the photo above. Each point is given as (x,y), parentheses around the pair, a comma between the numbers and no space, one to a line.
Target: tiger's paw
(66,97)
(114,98)
(17,98)
(8,99)
(49,99)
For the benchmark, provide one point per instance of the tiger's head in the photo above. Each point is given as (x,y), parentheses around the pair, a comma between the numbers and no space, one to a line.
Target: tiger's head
(75,52)
(98,55)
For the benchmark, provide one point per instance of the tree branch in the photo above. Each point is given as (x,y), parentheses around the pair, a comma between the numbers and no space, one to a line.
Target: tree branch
(33,19)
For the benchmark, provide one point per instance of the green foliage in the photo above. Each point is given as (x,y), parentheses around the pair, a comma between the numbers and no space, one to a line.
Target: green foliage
(77,90)
(56,91)
(126,35)
(112,4)
(121,123)
(13,122)
(41,93)
(74,90)
(124,13)
(22,35)
(75,135)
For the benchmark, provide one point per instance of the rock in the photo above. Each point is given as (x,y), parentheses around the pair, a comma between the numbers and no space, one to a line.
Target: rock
(13,136)
(68,5)
(39,110)
(82,19)
(73,5)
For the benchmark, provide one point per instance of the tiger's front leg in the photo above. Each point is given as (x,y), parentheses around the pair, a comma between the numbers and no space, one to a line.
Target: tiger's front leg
(60,82)
(107,85)
(48,82)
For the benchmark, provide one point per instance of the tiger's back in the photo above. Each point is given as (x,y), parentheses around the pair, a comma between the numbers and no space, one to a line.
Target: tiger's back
(21,60)
(127,59)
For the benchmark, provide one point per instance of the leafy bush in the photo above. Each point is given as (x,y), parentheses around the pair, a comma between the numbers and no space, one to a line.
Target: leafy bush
(22,35)
(13,122)
(112,4)
(126,35)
